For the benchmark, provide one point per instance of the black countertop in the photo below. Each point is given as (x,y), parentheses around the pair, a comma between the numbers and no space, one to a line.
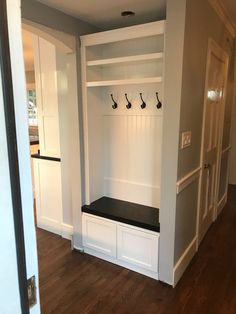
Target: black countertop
(38,156)
(130,213)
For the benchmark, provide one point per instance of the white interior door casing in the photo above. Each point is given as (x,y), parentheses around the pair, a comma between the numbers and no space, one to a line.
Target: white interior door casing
(214,105)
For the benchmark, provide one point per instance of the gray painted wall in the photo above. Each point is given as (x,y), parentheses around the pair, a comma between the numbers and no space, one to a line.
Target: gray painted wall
(39,13)
(201,23)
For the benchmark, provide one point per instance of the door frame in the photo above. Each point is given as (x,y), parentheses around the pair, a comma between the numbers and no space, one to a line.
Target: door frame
(221,54)
(9,111)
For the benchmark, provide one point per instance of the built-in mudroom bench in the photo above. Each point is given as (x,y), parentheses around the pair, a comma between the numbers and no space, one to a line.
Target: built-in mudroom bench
(123,232)
(122,85)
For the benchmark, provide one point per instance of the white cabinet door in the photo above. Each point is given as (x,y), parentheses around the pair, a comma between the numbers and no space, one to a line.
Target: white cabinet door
(99,235)
(137,247)
(47,178)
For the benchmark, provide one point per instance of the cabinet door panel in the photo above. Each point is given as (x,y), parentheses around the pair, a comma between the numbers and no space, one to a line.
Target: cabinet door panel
(47,178)
(99,235)
(138,248)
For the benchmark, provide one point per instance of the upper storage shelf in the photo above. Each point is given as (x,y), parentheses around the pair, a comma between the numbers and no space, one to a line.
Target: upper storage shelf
(145,80)
(120,58)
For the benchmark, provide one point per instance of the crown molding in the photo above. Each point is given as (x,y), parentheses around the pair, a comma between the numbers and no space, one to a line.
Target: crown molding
(224,16)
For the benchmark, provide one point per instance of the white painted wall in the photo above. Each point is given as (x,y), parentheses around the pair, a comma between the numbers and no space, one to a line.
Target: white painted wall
(10,302)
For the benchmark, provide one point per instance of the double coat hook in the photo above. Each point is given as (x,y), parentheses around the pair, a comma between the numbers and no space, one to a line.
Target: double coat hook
(115,105)
(143,105)
(129,105)
(159,104)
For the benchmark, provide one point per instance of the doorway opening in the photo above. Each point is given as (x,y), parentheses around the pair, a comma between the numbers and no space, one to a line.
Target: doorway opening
(53,117)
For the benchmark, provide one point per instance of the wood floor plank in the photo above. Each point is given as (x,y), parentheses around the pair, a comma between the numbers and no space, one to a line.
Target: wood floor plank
(74,283)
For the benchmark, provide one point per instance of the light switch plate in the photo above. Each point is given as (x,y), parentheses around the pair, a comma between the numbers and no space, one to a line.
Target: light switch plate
(186,139)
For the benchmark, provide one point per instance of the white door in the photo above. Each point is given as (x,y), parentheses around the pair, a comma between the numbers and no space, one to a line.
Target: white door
(13,259)
(215,86)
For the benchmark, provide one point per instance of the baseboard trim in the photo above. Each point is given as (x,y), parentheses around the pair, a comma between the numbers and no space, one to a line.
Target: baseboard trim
(221,203)
(66,231)
(122,263)
(184,261)
(78,248)
(49,226)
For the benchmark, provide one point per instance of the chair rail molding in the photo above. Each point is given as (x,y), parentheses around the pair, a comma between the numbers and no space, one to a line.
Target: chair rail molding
(226,150)
(188,179)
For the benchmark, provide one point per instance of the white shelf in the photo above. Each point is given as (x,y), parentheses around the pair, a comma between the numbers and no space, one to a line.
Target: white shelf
(144,57)
(145,80)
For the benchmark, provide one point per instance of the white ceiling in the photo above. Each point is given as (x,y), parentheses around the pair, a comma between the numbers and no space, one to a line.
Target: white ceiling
(105,14)
(28,50)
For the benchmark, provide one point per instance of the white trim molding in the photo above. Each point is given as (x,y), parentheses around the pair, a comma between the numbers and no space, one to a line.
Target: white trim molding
(226,150)
(221,11)
(188,179)
(184,261)
(222,202)
(121,263)
(63,230)
(66,231)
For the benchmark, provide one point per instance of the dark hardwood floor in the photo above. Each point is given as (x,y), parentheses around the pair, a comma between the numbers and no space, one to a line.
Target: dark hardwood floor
(73,283)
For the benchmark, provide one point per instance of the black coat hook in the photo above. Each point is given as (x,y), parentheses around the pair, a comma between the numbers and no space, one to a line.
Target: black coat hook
(159,104)
(115,105)
(129,105)
(143,105)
